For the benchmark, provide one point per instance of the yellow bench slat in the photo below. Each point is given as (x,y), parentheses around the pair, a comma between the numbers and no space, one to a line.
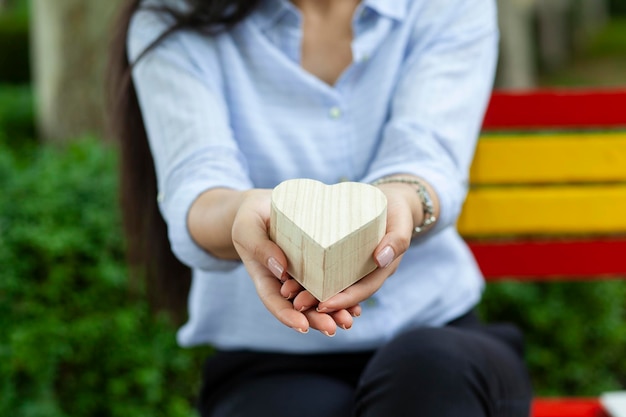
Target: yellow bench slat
(545,210)
(575,157)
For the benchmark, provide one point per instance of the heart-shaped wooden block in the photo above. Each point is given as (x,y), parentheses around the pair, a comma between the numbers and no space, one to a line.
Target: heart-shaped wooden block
(327,232)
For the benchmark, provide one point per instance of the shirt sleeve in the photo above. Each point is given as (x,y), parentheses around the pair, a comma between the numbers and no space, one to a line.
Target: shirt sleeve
(438,108)
(188,129)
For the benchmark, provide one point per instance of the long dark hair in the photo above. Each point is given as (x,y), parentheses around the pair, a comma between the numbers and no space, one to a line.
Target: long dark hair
(151,261)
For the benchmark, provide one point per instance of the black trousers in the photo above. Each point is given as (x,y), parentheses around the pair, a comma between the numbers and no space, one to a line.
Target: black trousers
(464,369)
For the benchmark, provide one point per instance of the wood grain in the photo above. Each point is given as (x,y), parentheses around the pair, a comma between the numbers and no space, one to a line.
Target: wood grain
(328,233)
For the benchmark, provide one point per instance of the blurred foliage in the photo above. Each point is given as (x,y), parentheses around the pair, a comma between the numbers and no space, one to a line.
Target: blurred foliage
(617,7)
(599,62)
(17,118)
(575,332)
(610,41)
(74,341)
(14,45)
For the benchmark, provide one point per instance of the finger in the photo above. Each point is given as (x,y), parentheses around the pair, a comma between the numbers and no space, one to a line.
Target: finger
(355,311)
(268,289)
(359,291)
(251,240)
(291,288)
(399,229)
(262,250)
(343,319)
(322,322)
(304,301)
(393,245)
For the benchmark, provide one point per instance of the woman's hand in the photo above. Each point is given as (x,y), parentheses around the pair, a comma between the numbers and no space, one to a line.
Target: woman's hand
(266,264)
(404,210)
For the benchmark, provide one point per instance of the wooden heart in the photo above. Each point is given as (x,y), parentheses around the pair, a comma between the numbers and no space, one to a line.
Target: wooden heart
(328,233)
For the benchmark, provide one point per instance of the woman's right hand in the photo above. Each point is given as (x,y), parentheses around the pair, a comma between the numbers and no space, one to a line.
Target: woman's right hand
(267,266)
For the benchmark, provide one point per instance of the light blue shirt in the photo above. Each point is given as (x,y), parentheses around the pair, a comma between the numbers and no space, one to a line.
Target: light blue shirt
(237,110)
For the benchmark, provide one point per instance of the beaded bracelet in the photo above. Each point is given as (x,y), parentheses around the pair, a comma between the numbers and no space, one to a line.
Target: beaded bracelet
(424,196)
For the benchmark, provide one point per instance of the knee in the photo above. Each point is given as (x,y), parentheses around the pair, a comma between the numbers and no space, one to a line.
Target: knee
(428,355)
(449,371)
(414,372)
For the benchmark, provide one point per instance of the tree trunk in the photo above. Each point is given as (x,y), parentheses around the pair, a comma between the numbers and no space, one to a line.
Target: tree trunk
(555,33)
(517,67)
(69,43)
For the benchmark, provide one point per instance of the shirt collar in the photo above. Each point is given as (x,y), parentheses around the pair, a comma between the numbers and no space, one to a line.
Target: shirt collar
(394,9)
(270,11)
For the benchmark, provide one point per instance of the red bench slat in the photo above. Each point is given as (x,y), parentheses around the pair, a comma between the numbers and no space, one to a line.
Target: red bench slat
(556,109)
(545,260)
(567,407)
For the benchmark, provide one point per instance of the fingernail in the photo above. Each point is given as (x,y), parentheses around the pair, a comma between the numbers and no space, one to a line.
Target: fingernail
(301,309)
(289,296)
(276,268)
(299,330)
(322,310)
(385,257)
(356,314)
(343,326)
(328,334)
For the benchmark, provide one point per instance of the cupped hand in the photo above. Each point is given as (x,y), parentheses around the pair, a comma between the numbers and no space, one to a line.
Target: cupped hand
(387,255)
(266,264)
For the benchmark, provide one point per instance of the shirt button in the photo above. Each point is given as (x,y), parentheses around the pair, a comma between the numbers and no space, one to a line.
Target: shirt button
(335,112)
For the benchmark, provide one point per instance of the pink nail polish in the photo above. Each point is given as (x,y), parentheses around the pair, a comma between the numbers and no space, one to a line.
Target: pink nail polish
(385,257)
(276,268)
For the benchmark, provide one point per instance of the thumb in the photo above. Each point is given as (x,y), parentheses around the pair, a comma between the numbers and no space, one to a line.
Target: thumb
(397,239)
(251,240)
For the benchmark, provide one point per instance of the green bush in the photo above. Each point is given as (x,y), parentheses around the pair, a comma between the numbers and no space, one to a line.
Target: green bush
(17,114)
(74,342)
(575,332)
(610,41)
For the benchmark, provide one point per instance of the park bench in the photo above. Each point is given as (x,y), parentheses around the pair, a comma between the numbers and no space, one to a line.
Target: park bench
(547,199)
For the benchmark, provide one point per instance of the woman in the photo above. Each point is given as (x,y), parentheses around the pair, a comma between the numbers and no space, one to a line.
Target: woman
(237,96)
